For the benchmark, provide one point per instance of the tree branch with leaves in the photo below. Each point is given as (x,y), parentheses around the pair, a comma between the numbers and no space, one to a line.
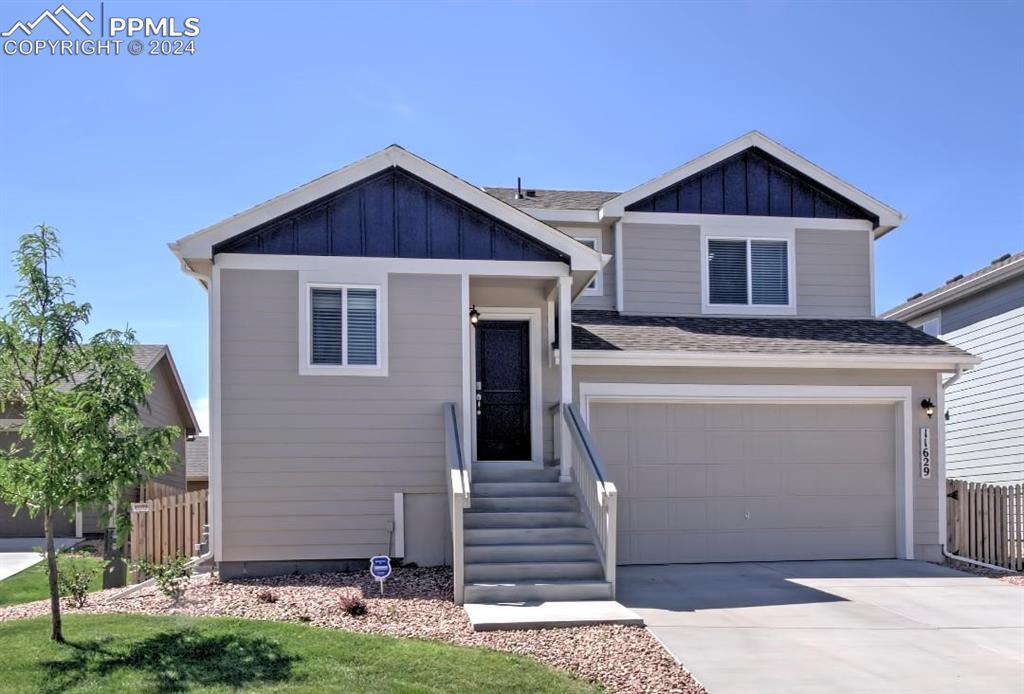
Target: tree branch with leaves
(82,442)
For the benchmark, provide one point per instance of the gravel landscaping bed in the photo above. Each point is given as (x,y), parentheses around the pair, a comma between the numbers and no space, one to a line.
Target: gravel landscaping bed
(416,603)
(1014,578)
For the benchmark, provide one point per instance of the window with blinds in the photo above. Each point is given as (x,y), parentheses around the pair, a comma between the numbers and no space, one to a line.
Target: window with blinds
(748,272)
(343,326)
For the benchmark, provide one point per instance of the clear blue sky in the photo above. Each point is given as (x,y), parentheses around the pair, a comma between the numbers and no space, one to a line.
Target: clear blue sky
(918,104)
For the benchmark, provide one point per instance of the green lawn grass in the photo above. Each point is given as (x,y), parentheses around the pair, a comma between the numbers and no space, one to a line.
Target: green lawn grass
(215,654)
(30,584)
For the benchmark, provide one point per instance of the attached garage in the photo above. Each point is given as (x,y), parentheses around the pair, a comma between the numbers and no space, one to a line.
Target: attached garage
(753,473)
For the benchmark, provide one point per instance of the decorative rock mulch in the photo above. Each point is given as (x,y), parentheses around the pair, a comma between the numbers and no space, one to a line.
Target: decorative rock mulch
(416,603)
(1014,578)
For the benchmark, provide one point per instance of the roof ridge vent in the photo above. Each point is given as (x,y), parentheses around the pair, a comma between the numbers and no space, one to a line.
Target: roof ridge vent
(951,280)
(915,296)
(1004,256)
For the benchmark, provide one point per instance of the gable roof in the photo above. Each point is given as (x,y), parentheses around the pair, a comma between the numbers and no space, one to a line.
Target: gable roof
(1003,268)
(197,458)
(200,245)
(799,338)
(888,218)
(553,199)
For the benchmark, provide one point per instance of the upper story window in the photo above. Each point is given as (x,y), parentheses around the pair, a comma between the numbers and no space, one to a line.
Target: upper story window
(595,287)
(342,330)
(930,325)
(752,275)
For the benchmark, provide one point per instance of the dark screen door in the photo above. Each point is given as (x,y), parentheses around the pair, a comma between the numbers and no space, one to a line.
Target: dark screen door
(503,390)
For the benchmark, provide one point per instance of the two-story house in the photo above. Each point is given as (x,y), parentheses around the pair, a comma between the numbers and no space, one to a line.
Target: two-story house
(536,386)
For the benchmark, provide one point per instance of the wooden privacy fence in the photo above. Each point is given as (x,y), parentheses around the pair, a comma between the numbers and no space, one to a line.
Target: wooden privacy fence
(986,522)
(170,525)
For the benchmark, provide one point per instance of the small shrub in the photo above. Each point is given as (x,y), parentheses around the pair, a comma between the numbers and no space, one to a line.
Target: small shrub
(353,606)
(267,596)
(73,579)
(171,576)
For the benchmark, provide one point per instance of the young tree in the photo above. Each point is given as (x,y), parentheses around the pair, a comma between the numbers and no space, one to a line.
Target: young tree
(82,441)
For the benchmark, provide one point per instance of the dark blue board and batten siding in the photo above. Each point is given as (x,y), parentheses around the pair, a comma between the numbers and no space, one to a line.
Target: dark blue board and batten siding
(751,183)
(392,214)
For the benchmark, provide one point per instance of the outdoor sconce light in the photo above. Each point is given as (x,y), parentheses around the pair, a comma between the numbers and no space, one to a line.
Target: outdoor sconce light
(928,407)
(474,316)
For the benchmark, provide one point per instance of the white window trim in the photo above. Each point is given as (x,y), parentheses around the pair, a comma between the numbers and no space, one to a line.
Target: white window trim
(307,284)
(598,288)
(732,233)
(900,396)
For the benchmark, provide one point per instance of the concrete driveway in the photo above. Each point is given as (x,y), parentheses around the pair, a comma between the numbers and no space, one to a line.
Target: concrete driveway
(834,626)
(18,553)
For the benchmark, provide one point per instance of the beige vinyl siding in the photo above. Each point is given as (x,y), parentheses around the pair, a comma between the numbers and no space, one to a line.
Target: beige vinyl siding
(927,536)
(607,236)
(310,464)
(661,269)
(833,274)
(20,524)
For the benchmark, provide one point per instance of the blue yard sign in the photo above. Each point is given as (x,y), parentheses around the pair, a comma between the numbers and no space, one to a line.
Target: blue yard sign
(380,568)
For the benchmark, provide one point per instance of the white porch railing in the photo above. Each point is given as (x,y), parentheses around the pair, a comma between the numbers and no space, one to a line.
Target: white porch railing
(458,494)
(597,493)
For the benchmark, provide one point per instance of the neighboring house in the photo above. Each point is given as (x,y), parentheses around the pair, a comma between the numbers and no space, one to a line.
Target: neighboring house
(197,463)
(725,364)
(167,405)
(983,313)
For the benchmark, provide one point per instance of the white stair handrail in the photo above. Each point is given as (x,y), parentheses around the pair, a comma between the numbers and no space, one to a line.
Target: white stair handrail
(597,492)
(458,494)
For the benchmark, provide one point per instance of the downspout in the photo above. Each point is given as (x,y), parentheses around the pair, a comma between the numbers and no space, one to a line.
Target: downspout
(131,590)
(945,536)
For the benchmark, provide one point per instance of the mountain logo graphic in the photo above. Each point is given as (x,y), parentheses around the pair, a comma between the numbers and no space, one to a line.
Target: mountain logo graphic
(68,15)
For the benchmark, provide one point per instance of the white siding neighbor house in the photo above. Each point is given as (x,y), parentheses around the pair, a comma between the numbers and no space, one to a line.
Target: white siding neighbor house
(983,313)
(536,386)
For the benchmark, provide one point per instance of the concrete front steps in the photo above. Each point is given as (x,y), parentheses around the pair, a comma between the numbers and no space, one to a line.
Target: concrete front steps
(530,559)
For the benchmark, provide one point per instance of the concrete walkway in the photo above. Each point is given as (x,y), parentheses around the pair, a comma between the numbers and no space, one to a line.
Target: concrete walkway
(834,626)
(18,553)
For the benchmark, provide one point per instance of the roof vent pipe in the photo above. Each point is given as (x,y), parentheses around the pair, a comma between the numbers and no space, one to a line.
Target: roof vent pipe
(519,188)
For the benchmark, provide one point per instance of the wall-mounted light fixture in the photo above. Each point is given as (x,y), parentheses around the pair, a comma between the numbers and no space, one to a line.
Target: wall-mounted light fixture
(474,316)
(928,406)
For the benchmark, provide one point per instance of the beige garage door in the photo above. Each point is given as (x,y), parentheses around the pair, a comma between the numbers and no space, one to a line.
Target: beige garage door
(711,482)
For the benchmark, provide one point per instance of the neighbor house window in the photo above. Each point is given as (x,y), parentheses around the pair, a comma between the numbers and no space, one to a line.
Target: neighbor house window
(343,329)
(752,273)
(595,287)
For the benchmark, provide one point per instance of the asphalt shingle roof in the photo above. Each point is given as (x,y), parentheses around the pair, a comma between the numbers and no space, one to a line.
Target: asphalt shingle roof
(553,199)
(994,266)
(197,458)
(607,330)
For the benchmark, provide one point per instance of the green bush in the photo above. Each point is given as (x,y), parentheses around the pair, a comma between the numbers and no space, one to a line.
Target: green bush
(74,576)
(171,576)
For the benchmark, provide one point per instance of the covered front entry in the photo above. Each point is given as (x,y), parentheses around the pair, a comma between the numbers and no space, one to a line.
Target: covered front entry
(750,481)
(503,390)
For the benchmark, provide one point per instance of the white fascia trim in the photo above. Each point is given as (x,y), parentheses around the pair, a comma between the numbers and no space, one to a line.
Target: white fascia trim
(901,396)
(620,284)
(745,221)
(744,233)
(957,291)
(179,384)
(200,244)
(412,266)
(308,281)
(888,218)
(776,361)
(563,216)
(215,433)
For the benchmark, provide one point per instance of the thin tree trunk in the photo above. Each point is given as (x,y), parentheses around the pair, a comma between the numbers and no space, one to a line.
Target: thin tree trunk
(56,633)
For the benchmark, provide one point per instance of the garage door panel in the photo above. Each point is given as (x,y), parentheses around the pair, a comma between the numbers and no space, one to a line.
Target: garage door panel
(756,483)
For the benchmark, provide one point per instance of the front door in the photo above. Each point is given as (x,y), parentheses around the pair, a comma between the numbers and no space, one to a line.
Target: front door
(503,390)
